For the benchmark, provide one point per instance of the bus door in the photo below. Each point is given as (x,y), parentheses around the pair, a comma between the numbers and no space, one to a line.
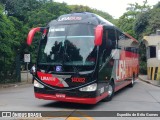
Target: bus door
(106,61)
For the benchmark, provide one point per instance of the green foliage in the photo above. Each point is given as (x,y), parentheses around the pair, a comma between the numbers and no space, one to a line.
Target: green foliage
(140,23)
(80,8)
(127,20)
(148,22)
(126,24)
(7,42)
(142,58)
(19,8)
(154,19)
(48,12)
(6,37)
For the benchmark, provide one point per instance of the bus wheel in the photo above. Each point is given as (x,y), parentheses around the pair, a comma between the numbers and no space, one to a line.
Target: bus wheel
(110,92)
(132,82)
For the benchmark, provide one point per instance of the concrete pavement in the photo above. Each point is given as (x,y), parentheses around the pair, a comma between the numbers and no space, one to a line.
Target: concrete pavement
(142,97)
(145,79)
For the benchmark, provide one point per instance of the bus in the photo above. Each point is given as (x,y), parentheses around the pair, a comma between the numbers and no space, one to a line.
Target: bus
(83,58)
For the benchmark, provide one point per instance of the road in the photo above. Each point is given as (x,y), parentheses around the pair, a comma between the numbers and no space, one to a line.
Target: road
(142,97)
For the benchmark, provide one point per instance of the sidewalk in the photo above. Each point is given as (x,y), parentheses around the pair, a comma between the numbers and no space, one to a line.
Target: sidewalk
(24,81)
(145,79)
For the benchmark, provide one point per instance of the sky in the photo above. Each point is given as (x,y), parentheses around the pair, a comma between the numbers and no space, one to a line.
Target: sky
(115,8)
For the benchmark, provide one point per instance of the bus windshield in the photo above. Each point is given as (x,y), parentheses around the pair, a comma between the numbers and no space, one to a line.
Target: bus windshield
(71,45)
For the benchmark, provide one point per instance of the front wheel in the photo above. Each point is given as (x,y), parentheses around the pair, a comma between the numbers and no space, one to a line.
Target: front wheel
(110,92)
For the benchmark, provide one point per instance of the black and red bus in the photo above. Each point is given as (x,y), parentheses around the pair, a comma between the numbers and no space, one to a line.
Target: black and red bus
(83,58)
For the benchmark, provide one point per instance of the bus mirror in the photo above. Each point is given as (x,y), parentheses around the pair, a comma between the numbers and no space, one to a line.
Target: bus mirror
(98,35)
(31,34)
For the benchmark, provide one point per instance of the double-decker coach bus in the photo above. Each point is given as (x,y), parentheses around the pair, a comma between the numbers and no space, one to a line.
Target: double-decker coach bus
(83,58)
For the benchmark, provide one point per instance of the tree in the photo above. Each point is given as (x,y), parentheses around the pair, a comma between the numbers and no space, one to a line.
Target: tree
(142,58)
(7,42)
(154,19)
(140,24)
(127,20)
(19,8)
(148,22)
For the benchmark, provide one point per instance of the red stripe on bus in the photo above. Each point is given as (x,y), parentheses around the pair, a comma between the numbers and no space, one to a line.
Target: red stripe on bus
(72,99)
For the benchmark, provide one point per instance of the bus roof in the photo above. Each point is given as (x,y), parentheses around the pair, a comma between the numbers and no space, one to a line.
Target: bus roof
(82,17)
(85,17)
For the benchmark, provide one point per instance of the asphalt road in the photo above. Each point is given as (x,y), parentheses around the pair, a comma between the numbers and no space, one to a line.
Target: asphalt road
(142,97)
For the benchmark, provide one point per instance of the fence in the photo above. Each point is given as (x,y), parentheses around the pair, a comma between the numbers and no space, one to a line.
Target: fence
(9,69)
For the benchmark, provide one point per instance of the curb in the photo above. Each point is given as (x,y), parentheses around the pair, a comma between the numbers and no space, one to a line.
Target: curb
(148,81)
(13,85)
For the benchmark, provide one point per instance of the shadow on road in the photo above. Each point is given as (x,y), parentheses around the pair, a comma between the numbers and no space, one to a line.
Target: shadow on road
(67,105)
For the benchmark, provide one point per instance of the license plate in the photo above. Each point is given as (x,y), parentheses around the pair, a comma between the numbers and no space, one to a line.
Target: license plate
(60,95)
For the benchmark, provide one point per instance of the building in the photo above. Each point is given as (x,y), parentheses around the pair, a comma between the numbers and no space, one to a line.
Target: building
(152,44)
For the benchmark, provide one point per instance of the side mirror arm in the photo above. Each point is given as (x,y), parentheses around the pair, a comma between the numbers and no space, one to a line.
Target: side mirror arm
(32,33)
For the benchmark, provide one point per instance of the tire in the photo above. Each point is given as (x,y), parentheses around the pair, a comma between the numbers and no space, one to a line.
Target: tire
(132,82)
(110,92)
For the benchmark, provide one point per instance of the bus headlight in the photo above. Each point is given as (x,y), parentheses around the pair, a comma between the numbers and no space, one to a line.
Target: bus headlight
(37,84)
(92,87)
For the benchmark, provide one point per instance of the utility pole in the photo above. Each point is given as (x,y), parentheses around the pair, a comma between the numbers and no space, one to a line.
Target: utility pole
(18,66)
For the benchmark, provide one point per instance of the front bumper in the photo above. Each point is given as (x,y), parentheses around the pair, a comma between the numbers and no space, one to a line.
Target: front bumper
(75,97)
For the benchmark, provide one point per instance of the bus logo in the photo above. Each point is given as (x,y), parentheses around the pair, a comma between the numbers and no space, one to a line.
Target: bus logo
(44,78)
(58,68)
(70,18)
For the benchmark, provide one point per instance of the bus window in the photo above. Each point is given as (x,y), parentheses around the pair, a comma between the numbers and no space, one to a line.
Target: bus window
(108,43)
(112,37)
(120,39)
(124,42)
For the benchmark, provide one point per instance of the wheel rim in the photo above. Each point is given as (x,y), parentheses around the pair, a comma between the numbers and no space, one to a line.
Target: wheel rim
(110,90)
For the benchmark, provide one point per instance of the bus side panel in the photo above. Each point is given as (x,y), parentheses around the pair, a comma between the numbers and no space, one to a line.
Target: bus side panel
(124,67)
